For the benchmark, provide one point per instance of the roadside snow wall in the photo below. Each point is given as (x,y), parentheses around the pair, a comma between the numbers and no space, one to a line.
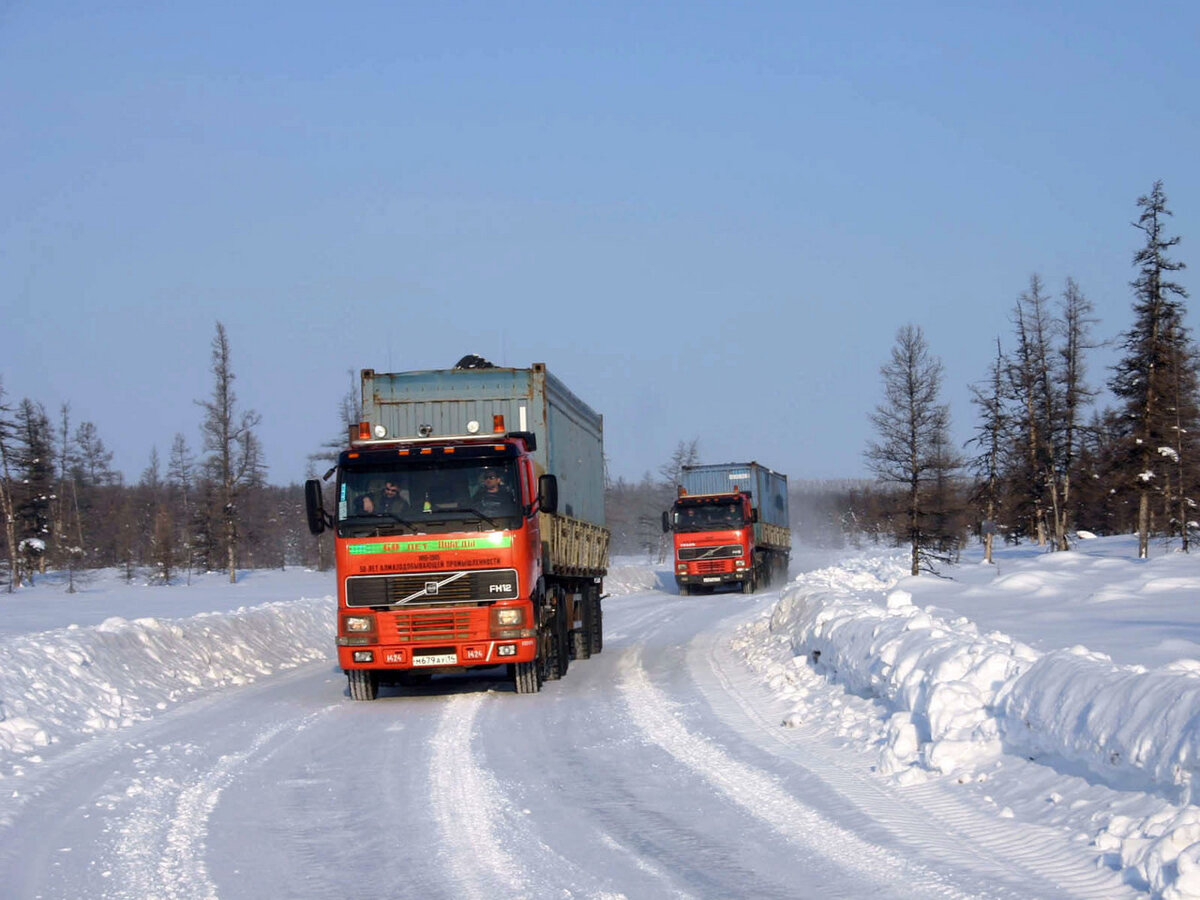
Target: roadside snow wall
(61,685)
(959,697)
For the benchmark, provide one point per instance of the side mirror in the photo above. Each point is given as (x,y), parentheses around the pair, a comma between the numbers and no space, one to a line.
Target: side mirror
(314,505)
(548,494)
(666,520)
(754,515)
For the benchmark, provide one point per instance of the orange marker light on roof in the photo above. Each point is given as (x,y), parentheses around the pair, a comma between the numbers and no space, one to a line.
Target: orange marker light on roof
(498,424)
(364,431)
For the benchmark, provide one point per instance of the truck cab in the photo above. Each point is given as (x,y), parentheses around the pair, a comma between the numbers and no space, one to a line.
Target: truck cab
(713,541)
(450,549)
(438,553)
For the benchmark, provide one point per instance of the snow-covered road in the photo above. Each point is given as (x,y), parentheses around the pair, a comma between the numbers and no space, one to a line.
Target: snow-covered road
(659,768)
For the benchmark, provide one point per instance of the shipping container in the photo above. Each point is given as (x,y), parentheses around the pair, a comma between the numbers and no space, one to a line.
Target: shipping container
(767,489)
(443,402)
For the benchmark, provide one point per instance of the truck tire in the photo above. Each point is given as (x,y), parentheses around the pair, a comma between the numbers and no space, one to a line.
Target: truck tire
(684,590)
(560,647)
(364,684)
(581,638)
(748,585)
(597,622)
(525,677)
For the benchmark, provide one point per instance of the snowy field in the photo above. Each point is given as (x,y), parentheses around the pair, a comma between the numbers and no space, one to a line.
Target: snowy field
(1061,690)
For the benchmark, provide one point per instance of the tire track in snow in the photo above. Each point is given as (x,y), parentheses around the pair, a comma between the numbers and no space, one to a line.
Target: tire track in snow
(761,795)
(167,861)
(1046,860)
(467,803)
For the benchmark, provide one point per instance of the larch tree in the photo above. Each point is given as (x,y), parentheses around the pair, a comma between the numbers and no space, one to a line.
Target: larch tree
(234,461)
(1076,323)
(1158,363)
(687,453)
(8,430)
(1037,405)
(912,425)
(34,506)
(991,437)
(180,486)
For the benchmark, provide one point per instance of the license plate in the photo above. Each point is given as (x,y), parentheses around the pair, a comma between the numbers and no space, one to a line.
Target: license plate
(436,659)
(710,580)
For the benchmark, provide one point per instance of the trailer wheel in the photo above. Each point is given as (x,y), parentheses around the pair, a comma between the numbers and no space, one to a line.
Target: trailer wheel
(597,622)
(525,677)
(581,639)
(560,648)
(364,684)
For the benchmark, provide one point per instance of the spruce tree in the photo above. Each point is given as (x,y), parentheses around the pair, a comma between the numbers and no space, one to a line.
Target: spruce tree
(1155,380)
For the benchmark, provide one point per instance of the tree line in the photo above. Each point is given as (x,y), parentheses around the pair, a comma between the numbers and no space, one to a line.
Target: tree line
(1047,463)
(1043,462)
(207,509)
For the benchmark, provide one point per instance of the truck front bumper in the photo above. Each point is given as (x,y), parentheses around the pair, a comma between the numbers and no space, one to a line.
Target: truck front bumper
(439,658)
(713,578)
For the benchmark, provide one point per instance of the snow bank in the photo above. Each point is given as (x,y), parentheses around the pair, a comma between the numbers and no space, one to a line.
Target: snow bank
(970,695)
(59,685)
(955,699)
(627,575)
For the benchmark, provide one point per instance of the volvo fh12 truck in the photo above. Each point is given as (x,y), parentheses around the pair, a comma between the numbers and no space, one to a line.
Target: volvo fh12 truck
(468,519)
(730,526)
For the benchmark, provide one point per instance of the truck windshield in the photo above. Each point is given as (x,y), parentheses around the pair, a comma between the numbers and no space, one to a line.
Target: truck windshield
(708,516)
(434,496)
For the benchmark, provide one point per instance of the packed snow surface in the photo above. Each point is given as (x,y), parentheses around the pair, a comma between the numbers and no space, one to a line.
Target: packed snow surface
(1057,690)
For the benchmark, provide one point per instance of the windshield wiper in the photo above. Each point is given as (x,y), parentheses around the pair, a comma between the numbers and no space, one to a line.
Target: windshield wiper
(481,515)
(373,520)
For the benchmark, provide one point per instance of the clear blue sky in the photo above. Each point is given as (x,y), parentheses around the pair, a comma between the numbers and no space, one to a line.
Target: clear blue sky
(708,219)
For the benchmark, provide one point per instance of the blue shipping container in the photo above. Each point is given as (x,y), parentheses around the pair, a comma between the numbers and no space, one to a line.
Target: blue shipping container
(570,435)
(767,489)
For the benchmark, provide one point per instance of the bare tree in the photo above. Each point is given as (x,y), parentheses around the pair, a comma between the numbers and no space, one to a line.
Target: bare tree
(1037,402)
(687,453)
(912,426)
(1076,324)
(234,461)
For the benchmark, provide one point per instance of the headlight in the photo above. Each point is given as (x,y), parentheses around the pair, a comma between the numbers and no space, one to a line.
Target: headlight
(358,624)
(509,617)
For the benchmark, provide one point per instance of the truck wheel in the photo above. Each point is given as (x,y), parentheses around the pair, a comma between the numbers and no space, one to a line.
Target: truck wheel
(560,648)
(581,639)
(597,622)
(684,590)
(748,585)
(364,684)
(525,677)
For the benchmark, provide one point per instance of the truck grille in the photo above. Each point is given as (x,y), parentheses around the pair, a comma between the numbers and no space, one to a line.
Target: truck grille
(441,588)
(449,626)
(713,567)
(722,552)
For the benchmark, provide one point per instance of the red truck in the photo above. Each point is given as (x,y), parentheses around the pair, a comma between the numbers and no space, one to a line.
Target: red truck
(730,525)
(468,523)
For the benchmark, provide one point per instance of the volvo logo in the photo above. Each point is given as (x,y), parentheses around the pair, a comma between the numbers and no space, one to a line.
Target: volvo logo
(431,587)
